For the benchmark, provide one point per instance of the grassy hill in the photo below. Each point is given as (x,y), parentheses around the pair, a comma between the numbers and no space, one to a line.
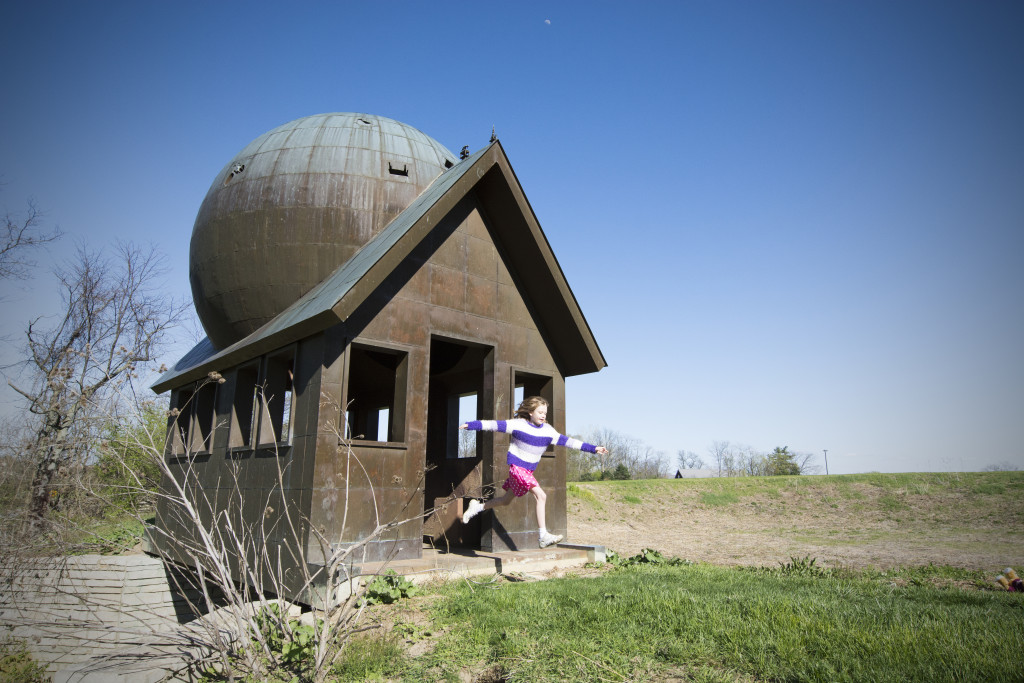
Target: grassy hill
(875,577)
(973,520)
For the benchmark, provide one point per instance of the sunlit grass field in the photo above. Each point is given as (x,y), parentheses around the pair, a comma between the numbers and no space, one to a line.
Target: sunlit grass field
(705,623)
(685,621)
(797,621)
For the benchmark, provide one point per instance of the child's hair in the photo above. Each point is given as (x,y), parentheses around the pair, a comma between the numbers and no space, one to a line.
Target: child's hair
(531,404)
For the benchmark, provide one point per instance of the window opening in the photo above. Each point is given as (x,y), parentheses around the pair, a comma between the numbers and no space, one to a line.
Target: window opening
(276,413)
(377,380)
(203,405)
(193,419)
(244,415)
(467,438)
(286,421)
(181,420)
(528,384)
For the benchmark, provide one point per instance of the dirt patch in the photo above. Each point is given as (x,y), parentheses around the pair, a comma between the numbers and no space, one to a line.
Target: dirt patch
(406,620)
(851,524)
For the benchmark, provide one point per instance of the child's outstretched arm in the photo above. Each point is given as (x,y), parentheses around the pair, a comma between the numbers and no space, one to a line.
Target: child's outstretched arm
(578,445)
(485,425)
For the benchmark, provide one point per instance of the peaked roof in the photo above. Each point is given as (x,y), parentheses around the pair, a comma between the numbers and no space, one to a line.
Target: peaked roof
(489,175)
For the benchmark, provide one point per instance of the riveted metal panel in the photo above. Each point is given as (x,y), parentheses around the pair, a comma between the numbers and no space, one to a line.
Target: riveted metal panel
(328,161)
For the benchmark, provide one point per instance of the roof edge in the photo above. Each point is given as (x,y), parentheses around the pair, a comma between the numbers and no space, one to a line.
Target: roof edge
(338,295)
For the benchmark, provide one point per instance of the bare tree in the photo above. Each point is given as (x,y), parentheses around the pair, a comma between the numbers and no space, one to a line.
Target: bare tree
(611,440)
(1004,466)
(688,460)
(15,469)
(19,236)
(467,443)
(579,464)
(805,463)
(114,320)
(721,456)
(642,460)
(748,461)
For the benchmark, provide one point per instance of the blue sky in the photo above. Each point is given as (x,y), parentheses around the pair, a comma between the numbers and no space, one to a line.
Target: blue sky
(788,223)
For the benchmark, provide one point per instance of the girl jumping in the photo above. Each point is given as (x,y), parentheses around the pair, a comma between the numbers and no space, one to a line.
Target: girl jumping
(530,437)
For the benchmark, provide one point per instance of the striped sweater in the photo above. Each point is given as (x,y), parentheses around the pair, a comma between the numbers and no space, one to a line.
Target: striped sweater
(528,441)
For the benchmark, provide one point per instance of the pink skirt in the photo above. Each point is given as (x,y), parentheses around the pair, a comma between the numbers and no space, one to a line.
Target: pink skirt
(519,480)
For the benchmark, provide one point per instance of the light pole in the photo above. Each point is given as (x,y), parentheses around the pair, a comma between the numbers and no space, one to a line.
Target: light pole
(826,461)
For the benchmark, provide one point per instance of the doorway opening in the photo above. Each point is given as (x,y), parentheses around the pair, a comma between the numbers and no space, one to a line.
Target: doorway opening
(460,386)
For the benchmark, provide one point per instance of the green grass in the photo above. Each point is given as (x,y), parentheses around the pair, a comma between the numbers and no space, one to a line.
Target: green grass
(583,495)
(636,487)
(370,659)
(892,503)
(988,488)
(888,493)
(108,536)
(699,622)
(716,498)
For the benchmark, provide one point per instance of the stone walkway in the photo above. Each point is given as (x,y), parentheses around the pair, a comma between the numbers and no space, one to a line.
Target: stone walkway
(98,618)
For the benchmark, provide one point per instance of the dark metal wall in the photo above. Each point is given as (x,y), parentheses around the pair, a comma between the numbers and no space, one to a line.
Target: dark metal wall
(452,320)
(461,296)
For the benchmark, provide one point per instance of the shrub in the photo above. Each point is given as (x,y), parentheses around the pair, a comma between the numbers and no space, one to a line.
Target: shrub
(647,556)
(806,565)
(17,664)
(125,469)
(293,642)
(389,587)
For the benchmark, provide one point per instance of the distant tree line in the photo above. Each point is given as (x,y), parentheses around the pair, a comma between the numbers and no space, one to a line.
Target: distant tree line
(732,460)
(627,458)
(621,472)
(631,458)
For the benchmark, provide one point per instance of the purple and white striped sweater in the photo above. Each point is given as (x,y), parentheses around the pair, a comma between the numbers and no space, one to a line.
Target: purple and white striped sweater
(528,441)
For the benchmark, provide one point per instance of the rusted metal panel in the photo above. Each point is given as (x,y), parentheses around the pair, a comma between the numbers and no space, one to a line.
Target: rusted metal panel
(376,165)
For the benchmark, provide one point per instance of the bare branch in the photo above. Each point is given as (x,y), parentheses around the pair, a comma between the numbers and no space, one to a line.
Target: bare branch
(19,236)
(114,320)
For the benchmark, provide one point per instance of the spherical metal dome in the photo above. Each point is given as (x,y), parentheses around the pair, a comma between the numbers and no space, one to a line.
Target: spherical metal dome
(293,206)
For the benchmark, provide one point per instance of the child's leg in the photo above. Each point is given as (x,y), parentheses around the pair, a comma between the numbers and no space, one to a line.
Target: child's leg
(546,538)
(542,499)
(476,507)
(507,498)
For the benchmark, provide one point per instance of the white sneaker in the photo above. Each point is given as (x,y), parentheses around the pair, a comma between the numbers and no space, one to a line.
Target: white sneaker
(475,506)
(549,539)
